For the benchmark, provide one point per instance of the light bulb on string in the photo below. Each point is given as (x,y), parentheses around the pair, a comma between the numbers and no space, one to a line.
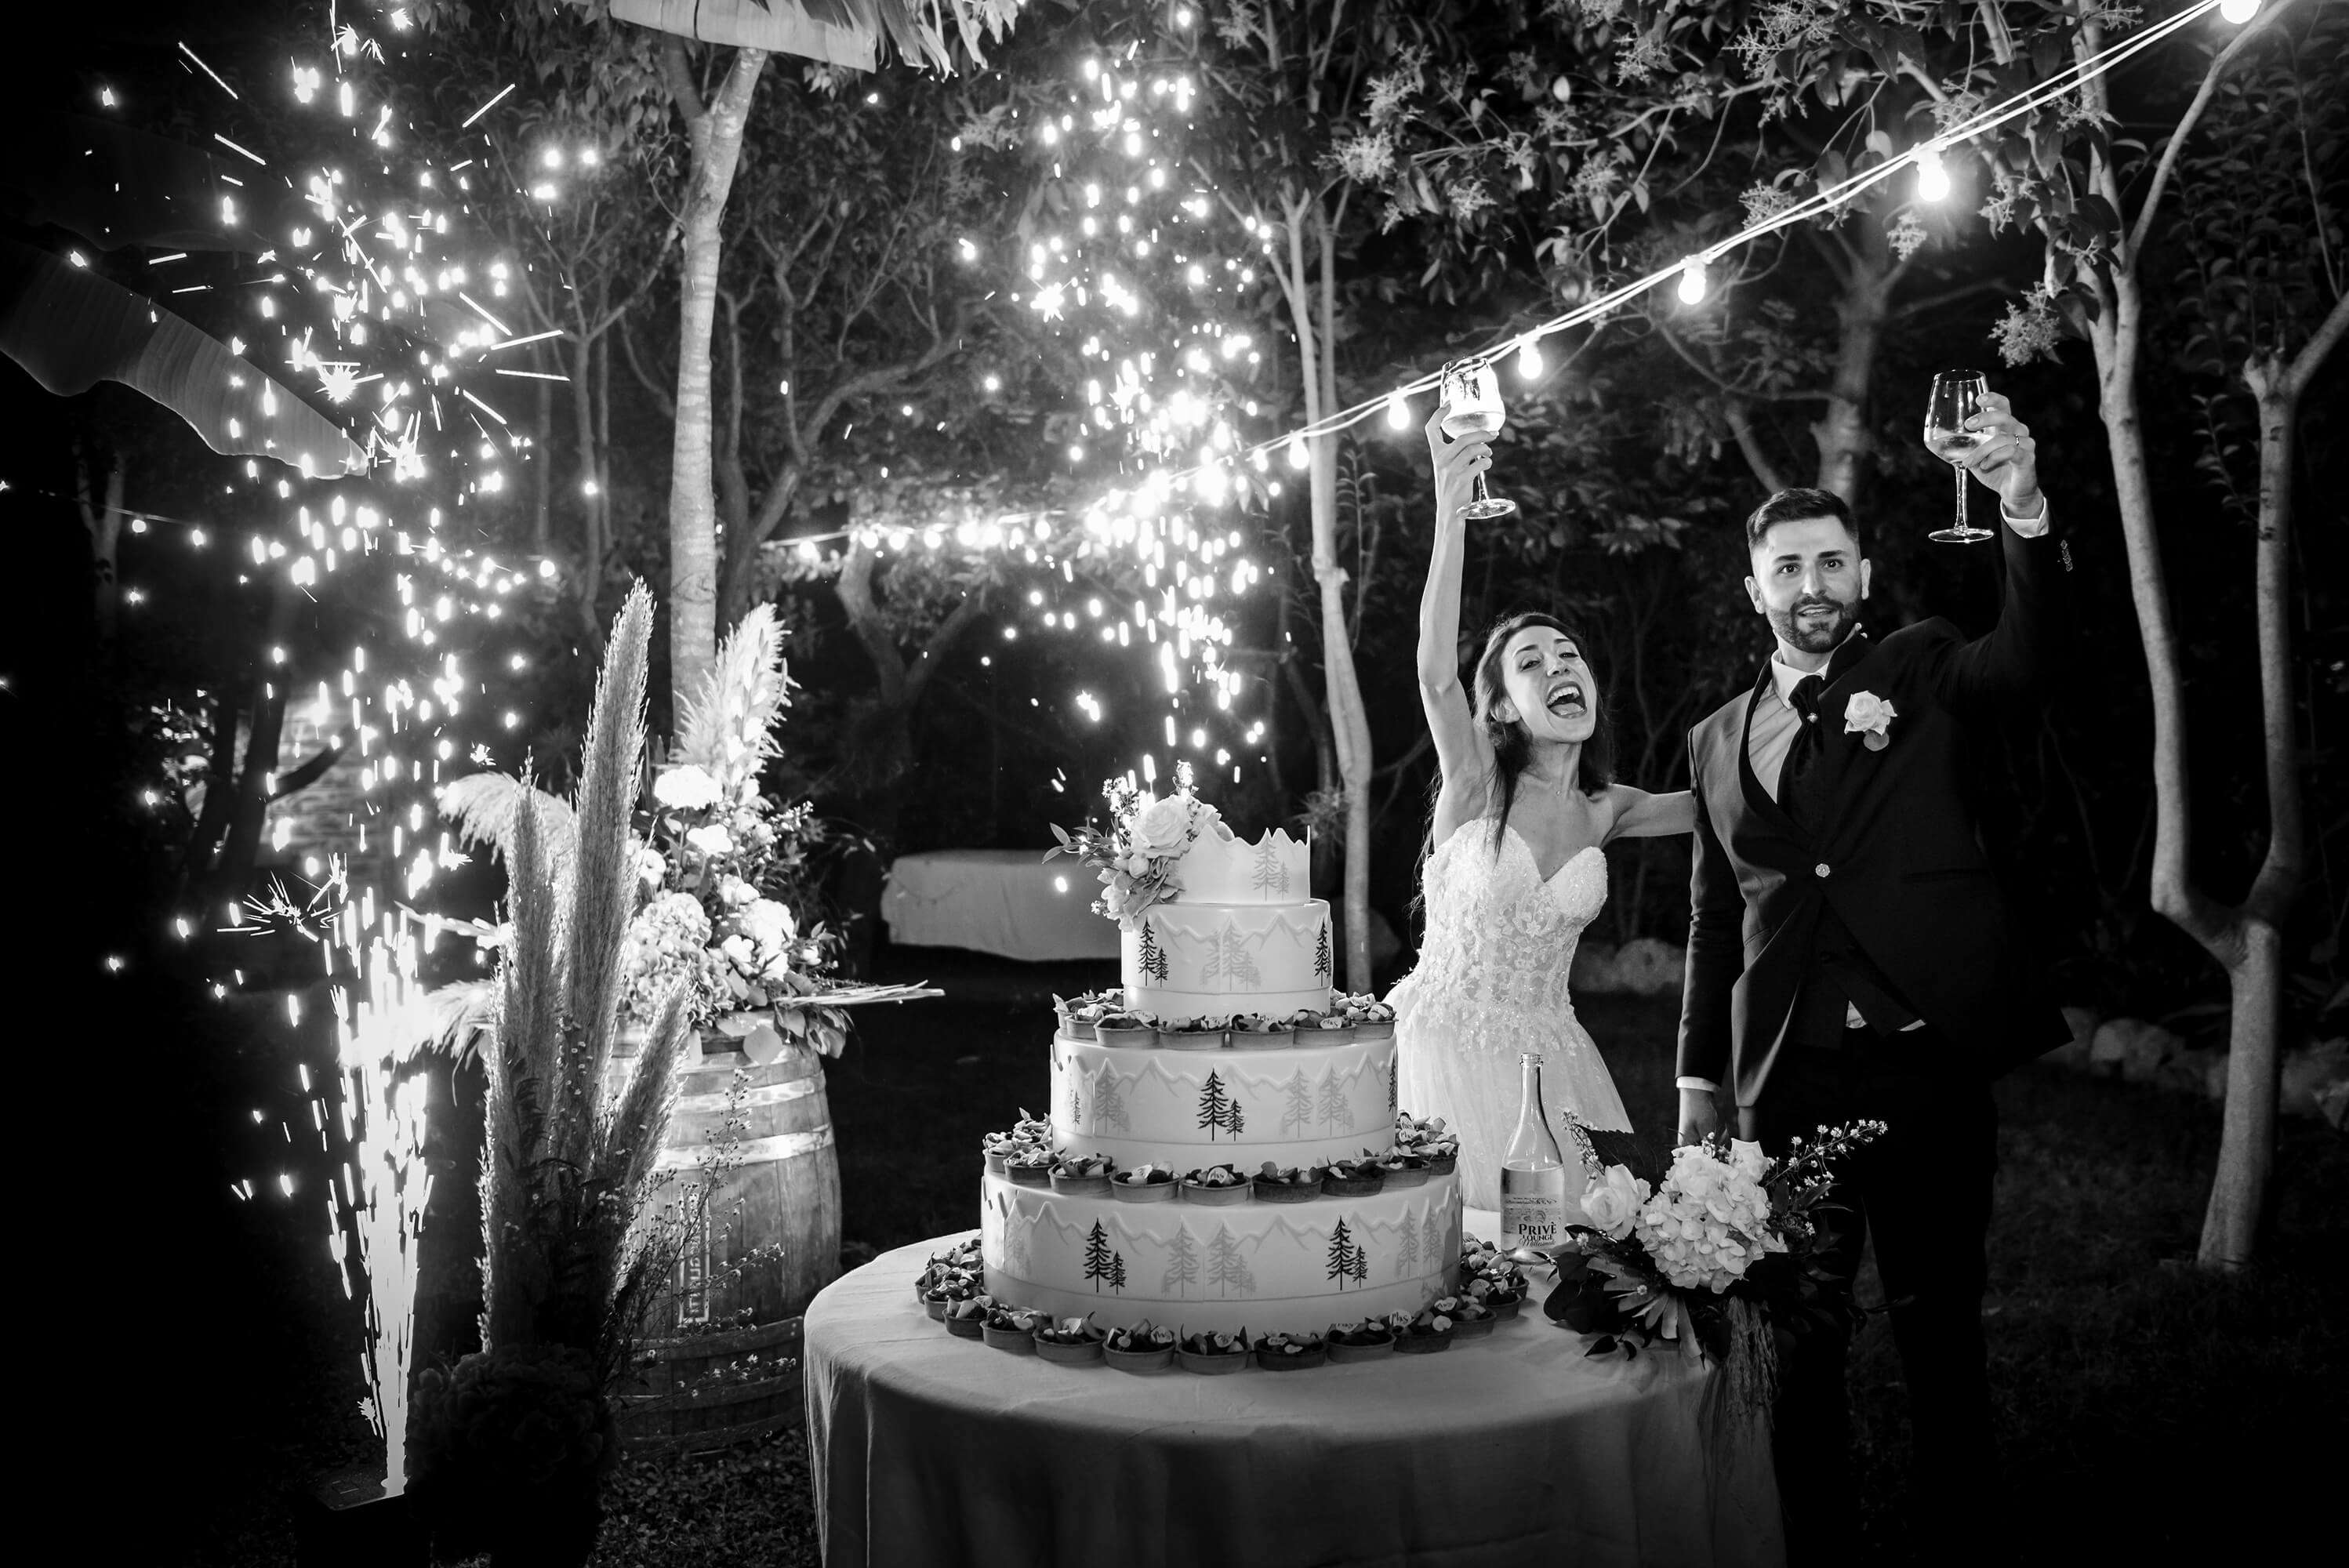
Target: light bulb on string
(1932,179)
(1398,412)
(1692,280)
(2238,10)
(1529,358)
(1297,457)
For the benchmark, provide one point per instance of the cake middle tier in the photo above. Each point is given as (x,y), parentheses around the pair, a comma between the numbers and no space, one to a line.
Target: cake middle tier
(1305,1105)
(1210,960)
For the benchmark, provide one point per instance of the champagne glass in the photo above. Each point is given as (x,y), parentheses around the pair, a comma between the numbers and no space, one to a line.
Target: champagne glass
(1472,407)
(1957,397)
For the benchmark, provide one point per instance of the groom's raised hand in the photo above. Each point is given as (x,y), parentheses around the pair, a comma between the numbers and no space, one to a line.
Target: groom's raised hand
(1700,1117)
(2008,459)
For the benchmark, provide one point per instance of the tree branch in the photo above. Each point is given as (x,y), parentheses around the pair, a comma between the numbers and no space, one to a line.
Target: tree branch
(662,399)
(1740,425)
(2202,95)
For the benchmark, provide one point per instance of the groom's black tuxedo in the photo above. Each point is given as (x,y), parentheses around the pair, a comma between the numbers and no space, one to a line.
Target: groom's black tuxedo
(1880,851)
(1864,887)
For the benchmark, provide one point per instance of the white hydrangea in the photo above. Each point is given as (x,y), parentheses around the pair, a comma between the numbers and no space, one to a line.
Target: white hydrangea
(686,788)
(1709,1221)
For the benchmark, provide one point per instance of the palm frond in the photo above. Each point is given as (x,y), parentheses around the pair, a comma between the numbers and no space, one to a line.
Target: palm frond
(604,890)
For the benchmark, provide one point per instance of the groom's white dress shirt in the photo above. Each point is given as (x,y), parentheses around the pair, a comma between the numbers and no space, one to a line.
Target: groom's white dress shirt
(1772,735)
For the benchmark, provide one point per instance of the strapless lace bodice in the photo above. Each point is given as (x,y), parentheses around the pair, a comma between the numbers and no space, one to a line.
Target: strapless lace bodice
(1498,936)
(1491,986)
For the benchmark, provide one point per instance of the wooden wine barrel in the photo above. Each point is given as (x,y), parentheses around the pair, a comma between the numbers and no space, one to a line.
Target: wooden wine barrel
(707,1390)
(778,1208)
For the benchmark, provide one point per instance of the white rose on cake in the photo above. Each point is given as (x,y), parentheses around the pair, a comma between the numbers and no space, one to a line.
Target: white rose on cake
(1164,825)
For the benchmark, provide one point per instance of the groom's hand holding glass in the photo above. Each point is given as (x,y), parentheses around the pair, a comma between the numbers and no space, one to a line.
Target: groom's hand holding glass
(2007,459)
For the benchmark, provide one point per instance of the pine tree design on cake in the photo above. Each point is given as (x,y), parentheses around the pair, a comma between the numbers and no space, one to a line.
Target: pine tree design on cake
(1394,1069)
(1117,1272)
(1341,1255)
(1431,1238)
(1214,1111)
(1076,1106)
(1229,962)
(1406,1249)
(1109,1104)
(1361,1265)
(1097,1256)
(1336,1112)
(1321,969)
(1269,875)
(1182,1262)
(1226,1270)
(1297,1109)
(1234,1119)
(1154,956)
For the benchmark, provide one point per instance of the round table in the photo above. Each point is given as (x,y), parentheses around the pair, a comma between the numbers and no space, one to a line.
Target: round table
(1515,1449)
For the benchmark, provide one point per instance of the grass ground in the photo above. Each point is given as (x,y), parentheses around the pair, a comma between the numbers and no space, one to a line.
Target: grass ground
(2146,1409)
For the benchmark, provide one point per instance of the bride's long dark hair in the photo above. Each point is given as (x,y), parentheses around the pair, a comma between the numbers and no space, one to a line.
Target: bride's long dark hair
(1513,746)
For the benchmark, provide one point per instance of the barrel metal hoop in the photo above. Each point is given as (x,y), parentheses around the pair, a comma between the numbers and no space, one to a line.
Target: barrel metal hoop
(764,1094)
(755,1150)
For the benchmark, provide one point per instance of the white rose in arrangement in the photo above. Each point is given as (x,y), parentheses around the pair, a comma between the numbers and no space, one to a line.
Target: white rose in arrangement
(734,892)
(739,952)
(768,923)
(1613,1200)
(1135,865)
(712,840)
(1164,825)
(685,788)
(652,867)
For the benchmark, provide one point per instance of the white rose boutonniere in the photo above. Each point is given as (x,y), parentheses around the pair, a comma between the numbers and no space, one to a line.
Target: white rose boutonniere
(1869,715)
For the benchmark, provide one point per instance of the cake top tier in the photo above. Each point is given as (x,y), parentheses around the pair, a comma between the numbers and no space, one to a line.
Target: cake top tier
(1177,849)
(1221,867)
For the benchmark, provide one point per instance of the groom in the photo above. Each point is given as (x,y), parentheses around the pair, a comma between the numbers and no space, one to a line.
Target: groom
(1849,957)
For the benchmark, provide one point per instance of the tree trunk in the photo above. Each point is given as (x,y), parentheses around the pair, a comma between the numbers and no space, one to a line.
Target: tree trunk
(591,499)
(2247,1140)
(715,135)
(103,519)
(1843,432)
(1313,309)
(542,460)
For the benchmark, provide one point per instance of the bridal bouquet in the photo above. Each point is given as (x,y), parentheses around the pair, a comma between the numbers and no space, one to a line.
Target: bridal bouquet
(1137,855)
(1716,1253)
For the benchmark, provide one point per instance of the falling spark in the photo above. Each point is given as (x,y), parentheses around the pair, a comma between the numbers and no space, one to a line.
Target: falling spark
(477,113)
(233,146)
(208,71)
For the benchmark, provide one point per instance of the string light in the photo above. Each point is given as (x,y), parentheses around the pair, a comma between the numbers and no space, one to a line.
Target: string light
(2238,10)
(1932,179)
(1693,281)
(1398,412)
(1529,358)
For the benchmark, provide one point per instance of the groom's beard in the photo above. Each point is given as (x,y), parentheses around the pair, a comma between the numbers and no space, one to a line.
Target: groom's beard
(1815,633)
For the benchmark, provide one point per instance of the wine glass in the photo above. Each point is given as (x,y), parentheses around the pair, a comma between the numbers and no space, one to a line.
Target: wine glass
(1957,397)
(1472,407)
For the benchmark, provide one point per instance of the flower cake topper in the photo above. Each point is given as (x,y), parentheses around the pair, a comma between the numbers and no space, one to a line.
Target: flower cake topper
(1147,839)
(1870,715)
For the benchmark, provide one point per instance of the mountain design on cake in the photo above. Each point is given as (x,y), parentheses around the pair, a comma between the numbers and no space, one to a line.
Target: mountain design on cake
(1224,1056)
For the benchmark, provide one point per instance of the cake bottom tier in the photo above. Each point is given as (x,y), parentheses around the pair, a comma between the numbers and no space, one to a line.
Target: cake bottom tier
(1271,1268)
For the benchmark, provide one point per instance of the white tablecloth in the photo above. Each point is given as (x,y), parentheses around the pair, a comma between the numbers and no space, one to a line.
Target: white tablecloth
(931,1451)
(1009,903)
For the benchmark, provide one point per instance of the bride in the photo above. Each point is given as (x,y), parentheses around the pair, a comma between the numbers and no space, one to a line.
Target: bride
(1524,806)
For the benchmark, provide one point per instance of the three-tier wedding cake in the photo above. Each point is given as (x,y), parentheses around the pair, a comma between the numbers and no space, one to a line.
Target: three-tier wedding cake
(1226,1053)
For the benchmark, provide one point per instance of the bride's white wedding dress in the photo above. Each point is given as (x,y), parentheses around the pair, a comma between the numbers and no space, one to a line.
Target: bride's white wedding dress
(1491,985)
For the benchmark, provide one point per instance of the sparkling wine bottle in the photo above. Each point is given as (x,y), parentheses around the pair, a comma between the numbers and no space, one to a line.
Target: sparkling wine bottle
(1533,1177)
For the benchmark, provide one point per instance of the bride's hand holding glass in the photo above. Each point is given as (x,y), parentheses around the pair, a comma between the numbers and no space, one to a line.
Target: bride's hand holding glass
(1459,464)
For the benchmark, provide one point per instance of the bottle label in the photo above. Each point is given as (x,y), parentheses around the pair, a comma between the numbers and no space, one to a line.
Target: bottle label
(1534,1219)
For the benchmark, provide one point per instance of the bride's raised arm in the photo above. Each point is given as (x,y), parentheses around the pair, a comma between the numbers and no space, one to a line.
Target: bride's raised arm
(1462,753)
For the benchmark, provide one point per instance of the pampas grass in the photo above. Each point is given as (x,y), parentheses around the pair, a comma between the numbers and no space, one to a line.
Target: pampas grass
(483,808)
(726,726)
(572,1252)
